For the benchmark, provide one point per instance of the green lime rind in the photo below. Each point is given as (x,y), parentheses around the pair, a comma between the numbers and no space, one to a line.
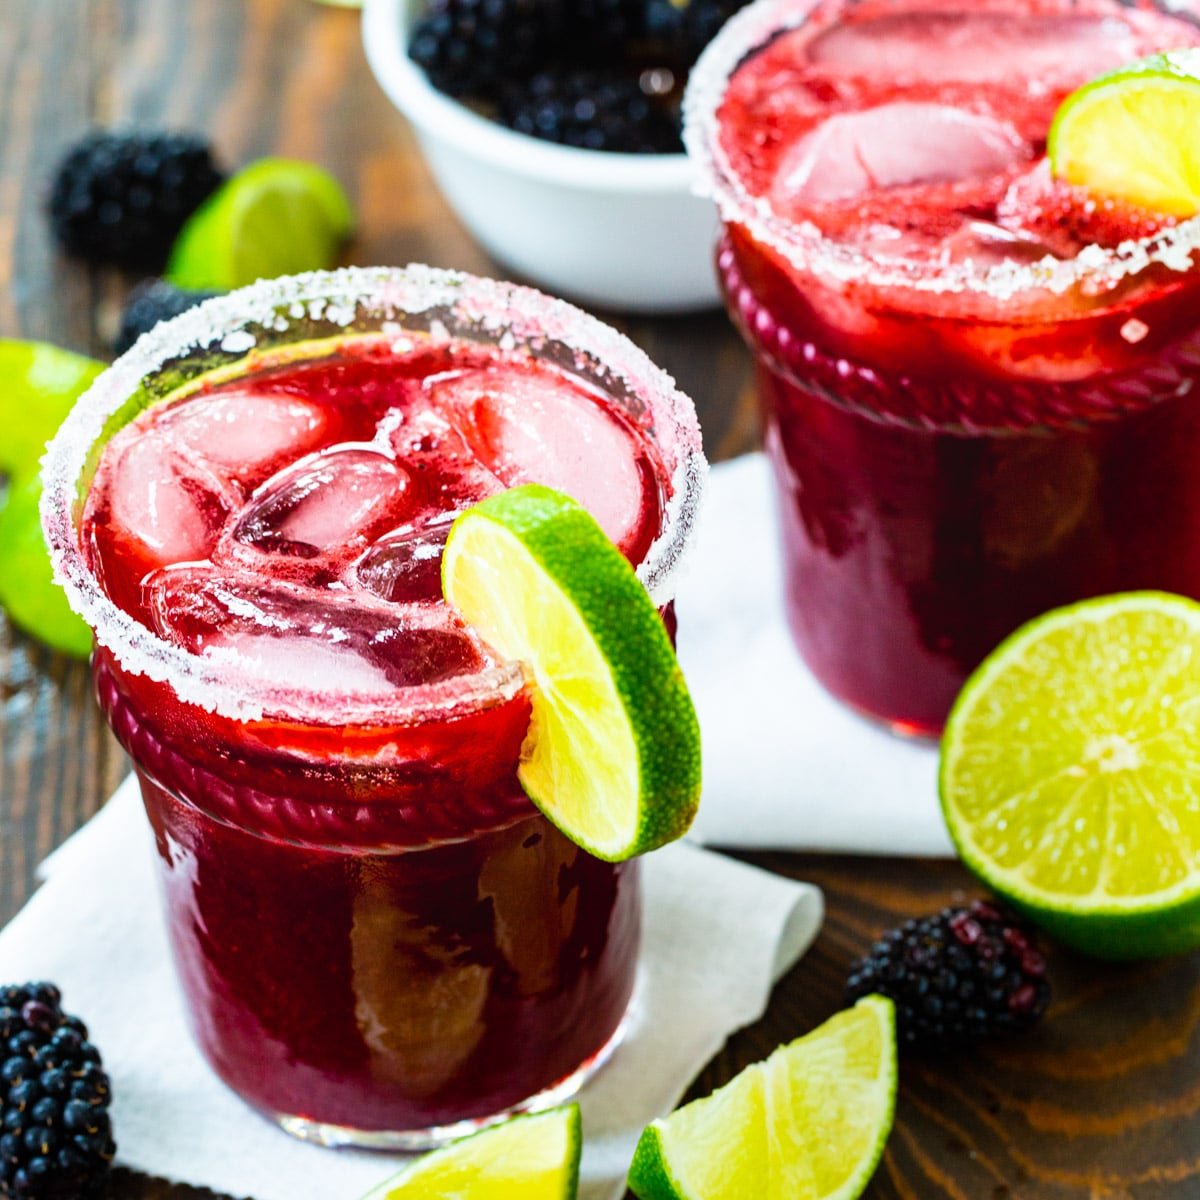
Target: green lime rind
(809,1123)
(39,383)
(28,592)
(612,756)
(278,216)
(1070,774)
(1134,134)
(534,1157)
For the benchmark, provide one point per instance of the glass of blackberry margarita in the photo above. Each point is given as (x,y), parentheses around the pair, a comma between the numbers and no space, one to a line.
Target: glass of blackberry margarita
(975,379)
(380,940)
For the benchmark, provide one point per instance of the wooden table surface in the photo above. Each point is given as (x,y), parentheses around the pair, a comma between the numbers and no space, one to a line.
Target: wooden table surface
(1101,1103)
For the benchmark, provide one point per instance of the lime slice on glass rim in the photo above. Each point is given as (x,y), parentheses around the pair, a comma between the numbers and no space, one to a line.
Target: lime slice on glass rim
(534,1157)
(1134,134)
(38,385)
(278,216)
(1070,774)
(612,756)
(809,1123)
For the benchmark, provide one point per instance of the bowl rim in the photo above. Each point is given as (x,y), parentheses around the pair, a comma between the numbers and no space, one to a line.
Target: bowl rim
(385,25)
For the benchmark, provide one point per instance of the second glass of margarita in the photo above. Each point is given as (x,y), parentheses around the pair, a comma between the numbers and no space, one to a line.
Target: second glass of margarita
(976,380)
(381,941)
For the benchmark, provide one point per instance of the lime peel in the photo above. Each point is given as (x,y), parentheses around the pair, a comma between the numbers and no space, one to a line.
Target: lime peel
(808,1123)
(535,1157)
(612,756)
(1070,780)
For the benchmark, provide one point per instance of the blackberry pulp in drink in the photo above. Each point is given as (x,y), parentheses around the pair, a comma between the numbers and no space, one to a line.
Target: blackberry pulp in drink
(976,380)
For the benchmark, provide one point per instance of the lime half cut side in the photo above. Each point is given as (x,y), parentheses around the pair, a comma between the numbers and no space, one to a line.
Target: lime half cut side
(612,756)
(1070,774)
(809,1123)
(534,1157)
(1134,134)
(278,216)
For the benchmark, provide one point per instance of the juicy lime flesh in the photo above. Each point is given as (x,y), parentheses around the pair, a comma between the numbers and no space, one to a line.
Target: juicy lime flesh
(579,747)
(1071,768)
(809,1123)
(1135,135)
(534,1157)
(275,217)
(612,755)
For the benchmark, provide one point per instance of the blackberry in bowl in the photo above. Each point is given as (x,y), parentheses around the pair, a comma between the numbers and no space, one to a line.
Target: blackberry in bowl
(552,128)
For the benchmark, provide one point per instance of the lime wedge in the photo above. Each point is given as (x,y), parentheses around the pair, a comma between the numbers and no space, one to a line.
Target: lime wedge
(28,592)
(809,1123)
(1134,134)
(38,385)
(535,1158)
(1070,774)
(277,216)
(612,756)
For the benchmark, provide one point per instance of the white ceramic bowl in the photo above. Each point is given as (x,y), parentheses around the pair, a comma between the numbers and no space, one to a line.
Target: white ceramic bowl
(621,231)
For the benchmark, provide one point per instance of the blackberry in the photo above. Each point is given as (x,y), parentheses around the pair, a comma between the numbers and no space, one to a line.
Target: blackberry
(600,29)
(150,302)
(593,110)
(122,198)
(681,31)
(471,47)
(55,1135)
(958,976)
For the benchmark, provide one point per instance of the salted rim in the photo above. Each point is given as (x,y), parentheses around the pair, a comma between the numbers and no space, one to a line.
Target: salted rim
(808,249)
(513,315)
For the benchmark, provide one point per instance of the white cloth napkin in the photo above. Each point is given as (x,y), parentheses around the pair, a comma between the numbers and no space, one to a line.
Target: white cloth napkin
(718,934)
(785,765)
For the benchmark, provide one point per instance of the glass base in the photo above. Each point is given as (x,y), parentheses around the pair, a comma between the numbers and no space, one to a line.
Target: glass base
(419,1140)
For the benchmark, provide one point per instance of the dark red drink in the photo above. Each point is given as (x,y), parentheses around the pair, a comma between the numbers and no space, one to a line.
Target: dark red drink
(975,379)
(381,941)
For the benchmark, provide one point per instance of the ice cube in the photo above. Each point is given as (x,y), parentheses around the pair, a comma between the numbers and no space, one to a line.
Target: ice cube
(533,426)
(334,502)
(311,640)
(907,142)
(246,435)
(171,505)
(978,46)
(406,565)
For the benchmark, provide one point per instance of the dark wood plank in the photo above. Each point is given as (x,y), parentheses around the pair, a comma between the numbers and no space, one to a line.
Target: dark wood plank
(1102,1103)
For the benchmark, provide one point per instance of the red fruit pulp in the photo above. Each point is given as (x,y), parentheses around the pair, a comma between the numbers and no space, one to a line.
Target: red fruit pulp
(376,931)
(954,454)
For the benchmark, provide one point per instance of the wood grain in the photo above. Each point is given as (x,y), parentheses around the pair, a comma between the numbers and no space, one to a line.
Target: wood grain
(1102,1103)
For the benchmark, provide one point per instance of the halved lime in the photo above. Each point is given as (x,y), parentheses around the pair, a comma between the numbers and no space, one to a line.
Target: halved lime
(534,1158)
(809,1123)
(1134,134)
(1070,774)
(612,756)
(278,216)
